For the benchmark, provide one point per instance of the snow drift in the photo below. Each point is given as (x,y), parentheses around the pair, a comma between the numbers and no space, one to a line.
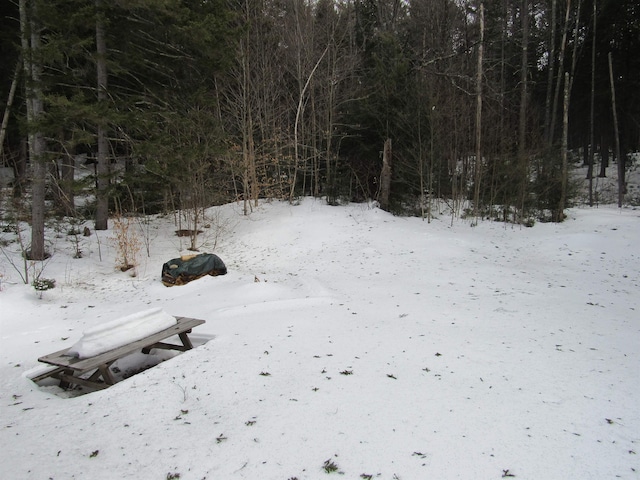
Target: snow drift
(119,332)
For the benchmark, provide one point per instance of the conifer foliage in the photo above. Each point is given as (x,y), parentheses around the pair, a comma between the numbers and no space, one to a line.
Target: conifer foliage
(181,104)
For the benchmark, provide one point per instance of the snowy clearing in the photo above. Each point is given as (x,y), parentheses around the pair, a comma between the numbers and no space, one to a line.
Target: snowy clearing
(343,340)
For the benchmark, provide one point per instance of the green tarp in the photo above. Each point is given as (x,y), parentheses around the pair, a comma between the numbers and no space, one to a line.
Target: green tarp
(179,272)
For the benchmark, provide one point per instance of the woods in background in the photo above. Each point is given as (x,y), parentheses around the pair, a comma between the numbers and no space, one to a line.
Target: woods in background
(176,104)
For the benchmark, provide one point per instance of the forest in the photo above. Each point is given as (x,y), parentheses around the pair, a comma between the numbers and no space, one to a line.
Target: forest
(183,104)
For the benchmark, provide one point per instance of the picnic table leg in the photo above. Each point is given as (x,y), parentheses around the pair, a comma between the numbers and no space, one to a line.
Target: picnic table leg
(186,341)
(107,376)
(104,372)
(68,378)
(63,382)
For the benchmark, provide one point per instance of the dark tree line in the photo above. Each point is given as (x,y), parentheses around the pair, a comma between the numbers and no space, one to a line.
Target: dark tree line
(186,103)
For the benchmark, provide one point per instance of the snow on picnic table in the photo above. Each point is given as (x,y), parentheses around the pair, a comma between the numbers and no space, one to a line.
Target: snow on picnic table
(121,331)
(372,346)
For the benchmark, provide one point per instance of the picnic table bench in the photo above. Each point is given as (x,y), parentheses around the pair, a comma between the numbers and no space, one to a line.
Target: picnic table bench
(70,368)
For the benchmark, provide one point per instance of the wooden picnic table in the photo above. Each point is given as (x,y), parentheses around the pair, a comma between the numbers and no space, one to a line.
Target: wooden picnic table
(70,368)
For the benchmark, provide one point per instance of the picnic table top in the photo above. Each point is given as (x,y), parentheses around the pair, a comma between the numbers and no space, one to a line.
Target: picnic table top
(62,359)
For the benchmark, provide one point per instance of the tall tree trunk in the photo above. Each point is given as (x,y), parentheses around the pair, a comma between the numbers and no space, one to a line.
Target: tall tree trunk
(574,53)
(248,103)
(431,164)
(479,73)
(30,34)
(522,128)
(556,95)
(505,137)
(102,172)
(565,141)
(328,132)
(246,125)
(7,110)
(591,114)
(551,64)
(621,166)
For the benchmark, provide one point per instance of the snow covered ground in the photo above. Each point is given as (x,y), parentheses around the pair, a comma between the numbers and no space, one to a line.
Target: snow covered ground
(372,346)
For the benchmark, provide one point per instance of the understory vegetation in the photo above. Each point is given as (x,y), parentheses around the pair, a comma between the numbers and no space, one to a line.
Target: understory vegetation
(120,108)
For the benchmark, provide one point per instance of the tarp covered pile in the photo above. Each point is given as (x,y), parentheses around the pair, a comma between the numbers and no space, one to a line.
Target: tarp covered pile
(185,269)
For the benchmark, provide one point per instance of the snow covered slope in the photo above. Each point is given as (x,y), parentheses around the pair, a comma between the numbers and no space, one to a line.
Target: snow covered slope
(371,345)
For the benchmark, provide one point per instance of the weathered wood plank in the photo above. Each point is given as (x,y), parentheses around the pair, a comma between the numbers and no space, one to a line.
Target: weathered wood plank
(47,374)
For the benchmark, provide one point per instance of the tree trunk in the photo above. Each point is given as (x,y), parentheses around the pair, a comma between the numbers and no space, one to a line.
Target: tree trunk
(604,156)
(431,166)
(385,175)
(621,180)
(102,180)
(328,128)
(550,72)
(253,174)
(591,115)
(245,106)
(556,95)
(478,163)
(565,141)
(576,47)
(522,128)
(12,93)
(33,70)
